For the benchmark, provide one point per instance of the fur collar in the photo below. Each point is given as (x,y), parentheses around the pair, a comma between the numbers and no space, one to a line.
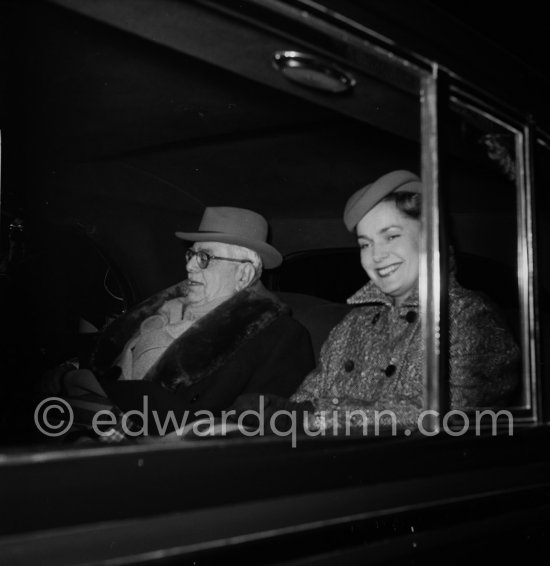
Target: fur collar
(202,349)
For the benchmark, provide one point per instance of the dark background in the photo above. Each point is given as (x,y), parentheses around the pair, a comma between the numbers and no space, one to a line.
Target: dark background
(520,28)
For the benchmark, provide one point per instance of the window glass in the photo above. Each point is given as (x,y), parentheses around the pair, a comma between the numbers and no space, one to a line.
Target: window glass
(482,181)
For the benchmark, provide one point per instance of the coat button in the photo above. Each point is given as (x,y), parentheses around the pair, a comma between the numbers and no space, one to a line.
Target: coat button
(195,398)
(390,370)
(411,316)
(349,365)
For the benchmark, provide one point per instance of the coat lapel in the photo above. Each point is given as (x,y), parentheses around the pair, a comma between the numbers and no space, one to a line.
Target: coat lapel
(207,345)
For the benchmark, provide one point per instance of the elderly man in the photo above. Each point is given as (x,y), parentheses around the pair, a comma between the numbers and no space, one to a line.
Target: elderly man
(202,343)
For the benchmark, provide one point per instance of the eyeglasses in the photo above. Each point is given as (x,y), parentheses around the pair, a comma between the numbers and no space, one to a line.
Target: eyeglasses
(204,258)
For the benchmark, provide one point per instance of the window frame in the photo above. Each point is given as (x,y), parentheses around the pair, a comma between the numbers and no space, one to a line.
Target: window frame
(521,126)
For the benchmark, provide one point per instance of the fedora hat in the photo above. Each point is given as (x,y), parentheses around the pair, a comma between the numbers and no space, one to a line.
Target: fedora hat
(366,198)
(237,226)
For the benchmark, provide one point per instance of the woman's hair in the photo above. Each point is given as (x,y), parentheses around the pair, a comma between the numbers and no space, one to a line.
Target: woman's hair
(410,204)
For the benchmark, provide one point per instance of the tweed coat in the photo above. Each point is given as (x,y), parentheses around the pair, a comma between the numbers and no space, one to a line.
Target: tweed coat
(248,344)
(372,360)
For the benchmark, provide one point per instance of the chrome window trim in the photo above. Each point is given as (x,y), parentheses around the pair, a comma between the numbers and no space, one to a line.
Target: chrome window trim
(430,257)
(490,113)
(482,102)
(357,27)
(526,266)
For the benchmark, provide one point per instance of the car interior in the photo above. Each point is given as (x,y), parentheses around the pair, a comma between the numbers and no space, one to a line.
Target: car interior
(120,122)
(123,139)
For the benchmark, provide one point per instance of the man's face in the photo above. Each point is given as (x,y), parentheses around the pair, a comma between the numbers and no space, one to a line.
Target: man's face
(218,280)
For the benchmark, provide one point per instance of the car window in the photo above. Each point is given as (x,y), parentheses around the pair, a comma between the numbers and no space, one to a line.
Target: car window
(487,231)
(135,131)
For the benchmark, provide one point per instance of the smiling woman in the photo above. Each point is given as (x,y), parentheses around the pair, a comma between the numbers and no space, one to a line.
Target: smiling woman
(389,233)
(389,242)
(372,362)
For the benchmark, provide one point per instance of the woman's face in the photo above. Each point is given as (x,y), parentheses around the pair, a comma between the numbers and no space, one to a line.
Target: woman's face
(389,242)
